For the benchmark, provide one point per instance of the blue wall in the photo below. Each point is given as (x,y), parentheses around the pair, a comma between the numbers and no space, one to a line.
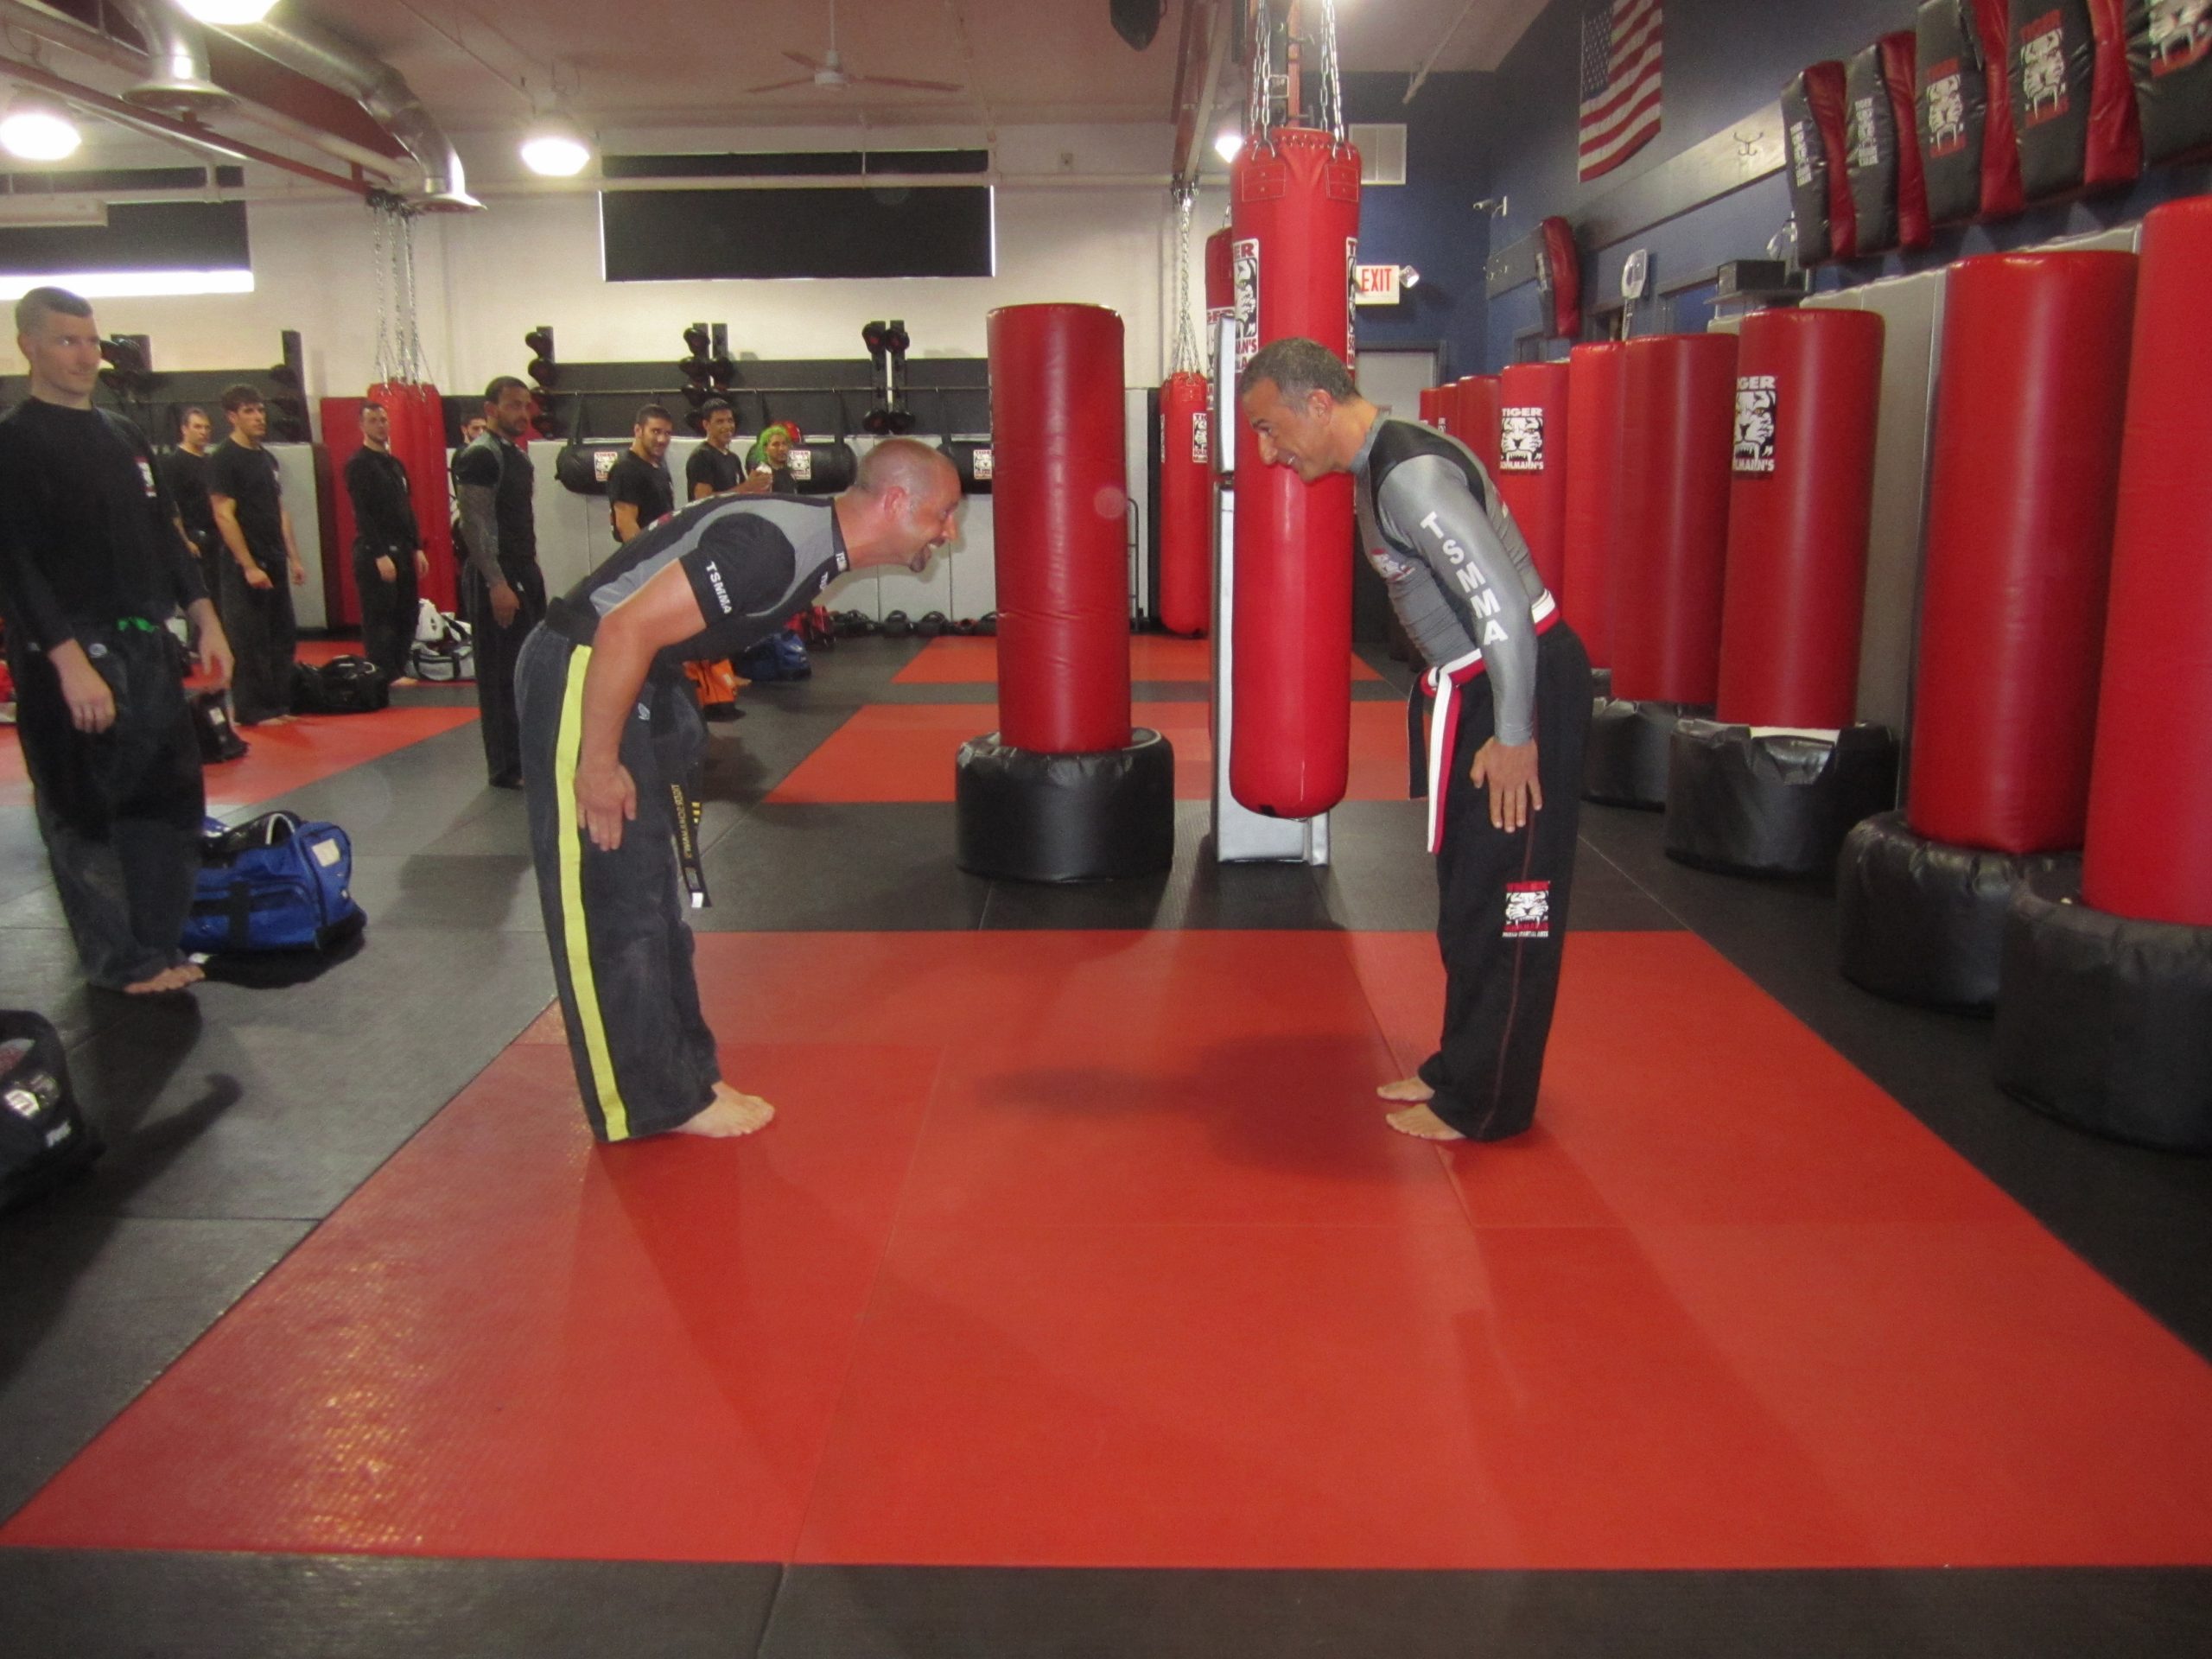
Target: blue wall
(1724,60)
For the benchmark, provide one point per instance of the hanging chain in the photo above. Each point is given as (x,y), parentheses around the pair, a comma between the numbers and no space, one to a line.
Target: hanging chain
(1185,358)
(1333,80)
(1256,123)
(379,229)
(410,327)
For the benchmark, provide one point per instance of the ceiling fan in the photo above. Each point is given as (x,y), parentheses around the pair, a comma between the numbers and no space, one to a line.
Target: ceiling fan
(829,74)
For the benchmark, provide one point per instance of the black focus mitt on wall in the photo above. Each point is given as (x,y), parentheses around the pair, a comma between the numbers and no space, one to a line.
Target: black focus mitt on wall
(1820,182)
(1889,197)
(2073,104)
(2169,60)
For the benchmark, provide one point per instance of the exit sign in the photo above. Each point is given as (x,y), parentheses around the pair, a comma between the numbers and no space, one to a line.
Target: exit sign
(1377,284)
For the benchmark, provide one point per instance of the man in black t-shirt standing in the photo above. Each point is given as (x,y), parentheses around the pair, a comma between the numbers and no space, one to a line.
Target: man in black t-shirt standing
(639,492)
(388,556)
(255,595)
(502,587)
(715,467)
(610,733)
(91,570)
(184,474)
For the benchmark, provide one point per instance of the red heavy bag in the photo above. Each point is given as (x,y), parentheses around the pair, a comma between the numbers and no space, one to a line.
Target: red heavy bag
(1968,154)
(1058,488)
(1559,279)
(2023,470)
(1475,423)
(1889,199)
(1186,505)
(2148,853)
(1221,285)
(2169,60)
(1294,222)
(1532,440)
(1819,180)
(418,438)
(1594,387)
(2073,102)
(1679,400)
(1432,407)
(1807,387)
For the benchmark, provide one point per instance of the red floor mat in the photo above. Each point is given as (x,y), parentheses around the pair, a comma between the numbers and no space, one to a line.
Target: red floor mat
(1090,1248)
(906,751)
(956,660)
(282,758)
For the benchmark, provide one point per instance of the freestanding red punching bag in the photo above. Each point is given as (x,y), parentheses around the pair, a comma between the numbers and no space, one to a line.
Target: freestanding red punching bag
(1063,790)
(1807,385)
(2022,481)
(1678,405)
(1476,402)
(1431,406)
(1294,224)
(2148,852)
(1594,482)
(1186,505)
(1532,451)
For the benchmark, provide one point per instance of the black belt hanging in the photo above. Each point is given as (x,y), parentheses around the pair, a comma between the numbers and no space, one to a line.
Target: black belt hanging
(690,811)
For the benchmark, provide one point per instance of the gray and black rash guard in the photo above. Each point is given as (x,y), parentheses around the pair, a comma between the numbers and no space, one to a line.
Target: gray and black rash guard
(754,564)
(1457,570)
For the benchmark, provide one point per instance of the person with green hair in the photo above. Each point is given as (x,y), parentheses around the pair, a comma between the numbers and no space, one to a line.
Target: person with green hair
(767,464)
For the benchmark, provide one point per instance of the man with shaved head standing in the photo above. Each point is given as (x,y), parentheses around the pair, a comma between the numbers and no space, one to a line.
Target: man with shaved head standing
(610,733)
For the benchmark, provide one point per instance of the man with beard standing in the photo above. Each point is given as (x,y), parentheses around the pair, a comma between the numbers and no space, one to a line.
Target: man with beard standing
(502,587)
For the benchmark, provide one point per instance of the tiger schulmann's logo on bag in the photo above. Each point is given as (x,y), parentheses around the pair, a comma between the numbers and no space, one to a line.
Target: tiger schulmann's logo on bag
(1946,115)
(2042,68)
(1201,438)
(1521,440)
(2179,32)
(1755,410)
(1528,910)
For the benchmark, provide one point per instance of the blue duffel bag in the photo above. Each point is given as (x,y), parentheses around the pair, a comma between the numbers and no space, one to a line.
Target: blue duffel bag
(274,883)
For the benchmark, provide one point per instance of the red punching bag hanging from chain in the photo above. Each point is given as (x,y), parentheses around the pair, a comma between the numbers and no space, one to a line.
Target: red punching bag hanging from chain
(1184,601)
(1295,230)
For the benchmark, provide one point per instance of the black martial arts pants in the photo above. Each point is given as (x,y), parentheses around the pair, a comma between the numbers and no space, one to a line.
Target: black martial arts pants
(387,610)
(121,811)
(265,638)
(497,650)
(1501,903)
(621,947)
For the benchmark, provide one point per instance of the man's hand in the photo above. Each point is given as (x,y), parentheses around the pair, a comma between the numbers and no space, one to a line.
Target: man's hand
(216,662)
(91,704)
(506,605)
(760,482)
(386,569)
(1510,772)
(256,578)
(421,564)
(606,799)
(299,571)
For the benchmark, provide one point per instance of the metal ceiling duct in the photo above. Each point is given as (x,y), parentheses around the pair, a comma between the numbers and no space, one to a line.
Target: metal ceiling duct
(378,88)
(180,83)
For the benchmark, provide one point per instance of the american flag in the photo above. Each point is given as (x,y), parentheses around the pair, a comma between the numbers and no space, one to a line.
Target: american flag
(1620,82)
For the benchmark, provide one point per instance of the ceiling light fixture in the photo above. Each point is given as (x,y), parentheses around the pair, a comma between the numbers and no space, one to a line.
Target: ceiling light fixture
(35,130)
(554,148)
(227,14)
(1229,144)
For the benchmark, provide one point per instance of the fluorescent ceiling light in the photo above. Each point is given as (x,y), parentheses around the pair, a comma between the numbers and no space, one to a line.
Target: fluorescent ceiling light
(553,148)
(34,211)
(131,285)
(228,14)
(1229,144)
(38,131)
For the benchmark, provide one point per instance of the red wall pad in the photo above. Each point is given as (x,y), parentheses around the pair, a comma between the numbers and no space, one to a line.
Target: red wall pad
(1186,505)
(2072,103)
(2149,848)
(1532,444)
(1819,158)
(1807,385)
(2169,59)
(1476,416)
(1058,485)
(1559,279)
(1593,456)
(1678,415)
(2021,488)
(1968,153)
(1295,221)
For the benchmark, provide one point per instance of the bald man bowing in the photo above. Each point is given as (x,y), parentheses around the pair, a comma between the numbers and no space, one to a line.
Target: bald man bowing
(610,733)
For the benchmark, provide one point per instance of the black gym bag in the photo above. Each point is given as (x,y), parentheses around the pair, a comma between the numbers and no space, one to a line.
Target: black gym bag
(44,1139)
(343,685)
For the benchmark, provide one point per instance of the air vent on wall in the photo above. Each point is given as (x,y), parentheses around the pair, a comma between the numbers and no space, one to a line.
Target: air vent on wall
(1382,151)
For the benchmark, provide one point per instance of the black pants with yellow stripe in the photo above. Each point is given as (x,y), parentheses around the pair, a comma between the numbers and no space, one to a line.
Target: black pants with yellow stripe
(621,947)
(1502,901)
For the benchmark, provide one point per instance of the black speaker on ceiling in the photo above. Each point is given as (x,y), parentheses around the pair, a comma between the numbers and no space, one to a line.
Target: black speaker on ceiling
(1138,21)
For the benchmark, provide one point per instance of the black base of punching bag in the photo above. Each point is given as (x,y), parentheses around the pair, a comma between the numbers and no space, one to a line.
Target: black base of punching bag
(2105,1022)
(1924,921)
(1601,685)
(1026,816)
(1773,804)
(1624,763)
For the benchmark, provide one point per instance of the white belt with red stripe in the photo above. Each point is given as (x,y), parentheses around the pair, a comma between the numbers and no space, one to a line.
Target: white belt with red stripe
(1444,683)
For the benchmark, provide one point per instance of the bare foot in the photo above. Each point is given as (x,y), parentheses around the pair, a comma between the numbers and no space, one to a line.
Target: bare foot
(1423,1124)
(1412,1090)
(169,979)
(407,679)
(192,972)
(729,1114)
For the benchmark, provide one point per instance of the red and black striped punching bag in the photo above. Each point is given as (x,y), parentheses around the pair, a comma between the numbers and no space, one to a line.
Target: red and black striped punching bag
(1294,223)
(1186,505)
(1531,471)
(1594,480)
(418,438)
